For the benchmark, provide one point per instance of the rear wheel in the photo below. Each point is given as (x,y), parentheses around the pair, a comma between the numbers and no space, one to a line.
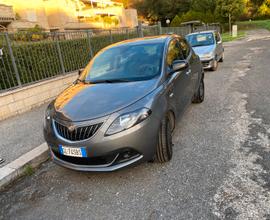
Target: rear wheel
(164,149)
(199,95)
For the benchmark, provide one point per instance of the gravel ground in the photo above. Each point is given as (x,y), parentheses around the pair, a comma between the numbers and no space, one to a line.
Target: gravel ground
(220,167)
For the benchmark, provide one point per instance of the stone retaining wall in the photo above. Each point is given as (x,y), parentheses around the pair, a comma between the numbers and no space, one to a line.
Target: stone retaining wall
(23,99)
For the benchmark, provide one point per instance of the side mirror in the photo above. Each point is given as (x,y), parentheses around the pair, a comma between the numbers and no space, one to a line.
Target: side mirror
(179,65)
(80,71)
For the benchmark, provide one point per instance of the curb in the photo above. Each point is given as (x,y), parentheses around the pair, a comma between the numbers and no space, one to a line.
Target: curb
(16,168)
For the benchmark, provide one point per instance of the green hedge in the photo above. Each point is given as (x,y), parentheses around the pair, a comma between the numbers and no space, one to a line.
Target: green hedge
(40,60)
(254,24)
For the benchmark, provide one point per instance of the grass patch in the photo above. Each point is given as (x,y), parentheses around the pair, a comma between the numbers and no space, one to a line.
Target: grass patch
(227,37)
(28,170)
(249,25)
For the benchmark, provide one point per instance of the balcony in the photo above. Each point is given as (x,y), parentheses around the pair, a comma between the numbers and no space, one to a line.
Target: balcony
(109,11)
(6,14)
(103,3)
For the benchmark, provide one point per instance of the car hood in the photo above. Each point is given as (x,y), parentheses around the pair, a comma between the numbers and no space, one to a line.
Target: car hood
(82,102)
(204,49)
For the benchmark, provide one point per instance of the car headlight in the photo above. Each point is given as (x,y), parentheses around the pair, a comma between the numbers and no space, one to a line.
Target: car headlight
(47,114)
(47,117)
(128,120)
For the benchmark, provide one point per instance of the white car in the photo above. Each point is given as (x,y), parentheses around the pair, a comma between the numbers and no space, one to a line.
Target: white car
(208,46)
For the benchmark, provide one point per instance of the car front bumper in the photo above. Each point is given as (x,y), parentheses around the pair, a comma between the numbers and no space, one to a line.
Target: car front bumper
(207,64)
(108,153)
(95,168)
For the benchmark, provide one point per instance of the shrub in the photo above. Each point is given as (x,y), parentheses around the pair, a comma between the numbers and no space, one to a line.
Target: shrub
(208,17)
(32,34)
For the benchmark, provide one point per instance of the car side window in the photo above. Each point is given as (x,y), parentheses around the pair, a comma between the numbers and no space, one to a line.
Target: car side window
(174,52)
(185,48)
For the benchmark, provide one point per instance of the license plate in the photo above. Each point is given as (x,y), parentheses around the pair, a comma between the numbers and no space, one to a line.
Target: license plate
(72,151)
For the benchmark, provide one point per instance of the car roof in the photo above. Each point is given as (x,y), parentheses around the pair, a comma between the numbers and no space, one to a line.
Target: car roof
(203,32)
(144,40)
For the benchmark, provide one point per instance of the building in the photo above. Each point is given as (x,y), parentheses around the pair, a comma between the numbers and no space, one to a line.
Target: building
(27,15)
(7,16)
(62,15)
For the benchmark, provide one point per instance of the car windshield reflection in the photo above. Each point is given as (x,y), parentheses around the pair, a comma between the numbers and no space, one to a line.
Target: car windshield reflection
(125,64)
(201,39)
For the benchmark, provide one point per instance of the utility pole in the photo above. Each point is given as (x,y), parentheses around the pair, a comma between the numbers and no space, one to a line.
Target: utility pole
(230,23)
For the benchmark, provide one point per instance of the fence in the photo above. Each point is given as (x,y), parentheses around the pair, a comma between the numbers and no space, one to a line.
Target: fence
(31,57)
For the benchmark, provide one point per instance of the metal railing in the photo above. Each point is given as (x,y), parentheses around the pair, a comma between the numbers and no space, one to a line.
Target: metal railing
(27,58)
(31,57)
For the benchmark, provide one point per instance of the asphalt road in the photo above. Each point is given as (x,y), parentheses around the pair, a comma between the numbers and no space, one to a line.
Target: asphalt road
(220,168)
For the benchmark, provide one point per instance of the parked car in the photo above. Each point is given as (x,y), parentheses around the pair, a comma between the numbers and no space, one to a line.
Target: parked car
(123,107)
(208,45)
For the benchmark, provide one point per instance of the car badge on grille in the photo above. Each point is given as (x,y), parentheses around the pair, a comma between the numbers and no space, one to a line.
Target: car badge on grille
(71,128)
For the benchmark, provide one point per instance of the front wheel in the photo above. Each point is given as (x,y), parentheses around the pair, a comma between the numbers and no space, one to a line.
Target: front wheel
(215,65)
(222,58)
(164,149)
(199,95)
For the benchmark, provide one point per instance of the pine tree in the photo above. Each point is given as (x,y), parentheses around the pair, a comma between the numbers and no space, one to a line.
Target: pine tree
(176,22)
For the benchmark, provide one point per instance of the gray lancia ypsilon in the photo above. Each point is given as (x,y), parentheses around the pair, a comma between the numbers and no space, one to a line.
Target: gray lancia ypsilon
(123,107)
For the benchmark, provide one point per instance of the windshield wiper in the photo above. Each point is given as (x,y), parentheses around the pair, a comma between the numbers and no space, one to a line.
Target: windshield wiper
(199,45)
(79,81)
(111,81)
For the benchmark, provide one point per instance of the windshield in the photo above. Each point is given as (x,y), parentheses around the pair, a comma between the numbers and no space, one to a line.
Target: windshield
(203,39)
(125,63)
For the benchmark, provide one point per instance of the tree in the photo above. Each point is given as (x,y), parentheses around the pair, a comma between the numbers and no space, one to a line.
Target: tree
(257,3)
(230,9)
(207,11)
(252,7)
(206,17)
(176,22)
(203,6)
(160,10)
(264,9)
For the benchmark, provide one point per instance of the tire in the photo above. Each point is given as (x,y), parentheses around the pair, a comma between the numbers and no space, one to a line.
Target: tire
(164,149)
(199,95)
(215,66)
(222,58)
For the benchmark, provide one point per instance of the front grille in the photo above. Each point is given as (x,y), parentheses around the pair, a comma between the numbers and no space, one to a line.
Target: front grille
(79,133)
(205,64)
(113,158)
